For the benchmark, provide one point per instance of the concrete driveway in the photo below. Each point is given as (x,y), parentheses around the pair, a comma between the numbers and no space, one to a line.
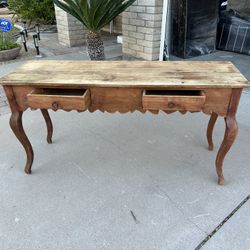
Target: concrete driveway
(128,181)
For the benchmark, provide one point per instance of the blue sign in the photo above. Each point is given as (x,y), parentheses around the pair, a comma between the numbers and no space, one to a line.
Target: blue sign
(5,25)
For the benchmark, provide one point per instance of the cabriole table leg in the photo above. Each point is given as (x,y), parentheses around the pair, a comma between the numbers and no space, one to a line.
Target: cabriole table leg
(17,127)
(230,133)
(229,138)
(210,129)
(49,125)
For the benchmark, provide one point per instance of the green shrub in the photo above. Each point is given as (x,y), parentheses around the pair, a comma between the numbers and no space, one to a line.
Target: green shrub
(34,10)
(5,45)
(8,39)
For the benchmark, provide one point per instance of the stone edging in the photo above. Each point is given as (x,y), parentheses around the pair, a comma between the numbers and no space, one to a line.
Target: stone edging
(9,54)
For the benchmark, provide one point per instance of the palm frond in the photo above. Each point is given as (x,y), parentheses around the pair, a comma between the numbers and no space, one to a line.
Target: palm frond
(94,14)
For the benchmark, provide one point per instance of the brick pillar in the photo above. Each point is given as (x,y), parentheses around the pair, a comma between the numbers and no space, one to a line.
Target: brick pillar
(142,29)
(70,31)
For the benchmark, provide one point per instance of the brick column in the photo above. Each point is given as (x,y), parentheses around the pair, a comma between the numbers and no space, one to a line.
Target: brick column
(71,32)
(142,29)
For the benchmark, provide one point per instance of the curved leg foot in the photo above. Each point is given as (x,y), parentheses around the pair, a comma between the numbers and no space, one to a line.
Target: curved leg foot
(17,127)
(210,129)
(230,135)
(49,125)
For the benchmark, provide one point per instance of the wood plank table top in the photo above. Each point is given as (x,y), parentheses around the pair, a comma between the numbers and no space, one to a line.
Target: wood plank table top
(132,74)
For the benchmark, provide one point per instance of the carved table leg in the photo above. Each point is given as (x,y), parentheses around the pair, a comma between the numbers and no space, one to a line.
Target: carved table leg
(210,129)
(49,125)
(17,127)
(230,133)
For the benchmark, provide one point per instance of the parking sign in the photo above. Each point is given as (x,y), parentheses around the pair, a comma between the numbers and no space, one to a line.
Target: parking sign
(5,25)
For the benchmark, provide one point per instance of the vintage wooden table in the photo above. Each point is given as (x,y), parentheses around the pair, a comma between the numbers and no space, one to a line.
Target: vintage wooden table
(213,88)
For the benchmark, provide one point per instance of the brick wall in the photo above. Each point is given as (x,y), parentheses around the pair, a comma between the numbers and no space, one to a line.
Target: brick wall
(71,32)
(141,26)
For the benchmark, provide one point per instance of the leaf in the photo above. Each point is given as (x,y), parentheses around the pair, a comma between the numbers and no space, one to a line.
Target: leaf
(94,14)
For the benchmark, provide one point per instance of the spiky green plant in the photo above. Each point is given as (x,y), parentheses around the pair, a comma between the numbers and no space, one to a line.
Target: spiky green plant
(94,15)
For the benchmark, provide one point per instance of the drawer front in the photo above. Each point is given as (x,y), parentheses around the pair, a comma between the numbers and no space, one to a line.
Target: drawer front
(66,99)
(184,100)
(116,99)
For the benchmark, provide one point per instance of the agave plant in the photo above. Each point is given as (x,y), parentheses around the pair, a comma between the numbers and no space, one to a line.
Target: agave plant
(94,15)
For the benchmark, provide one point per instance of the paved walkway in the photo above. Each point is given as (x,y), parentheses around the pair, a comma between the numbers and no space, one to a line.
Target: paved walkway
(123,182)
(4,109)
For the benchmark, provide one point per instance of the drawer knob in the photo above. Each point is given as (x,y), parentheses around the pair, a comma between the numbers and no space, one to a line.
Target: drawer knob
(171,105)
(55,106)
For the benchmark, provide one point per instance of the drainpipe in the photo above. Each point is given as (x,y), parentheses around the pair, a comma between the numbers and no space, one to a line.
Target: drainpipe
(163,28)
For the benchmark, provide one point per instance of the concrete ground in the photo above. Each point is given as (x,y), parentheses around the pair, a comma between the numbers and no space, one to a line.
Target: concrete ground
(131,181)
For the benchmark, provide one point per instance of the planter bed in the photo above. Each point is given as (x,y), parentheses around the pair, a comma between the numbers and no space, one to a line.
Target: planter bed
(9,54)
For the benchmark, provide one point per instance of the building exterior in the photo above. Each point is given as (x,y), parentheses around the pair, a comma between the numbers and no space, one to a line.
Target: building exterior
(140,26)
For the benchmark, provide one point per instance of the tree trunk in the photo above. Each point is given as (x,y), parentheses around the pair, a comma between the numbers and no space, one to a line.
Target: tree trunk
(95,46)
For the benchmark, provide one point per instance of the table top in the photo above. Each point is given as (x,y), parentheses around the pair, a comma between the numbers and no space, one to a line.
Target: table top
(148,74)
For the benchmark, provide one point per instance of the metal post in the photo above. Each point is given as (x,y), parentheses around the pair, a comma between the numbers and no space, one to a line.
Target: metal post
(25,28)
(38,31)
(36,44)
(23,37)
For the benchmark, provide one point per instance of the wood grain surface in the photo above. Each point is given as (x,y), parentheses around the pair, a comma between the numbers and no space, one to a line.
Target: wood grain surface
(173,100)
(59,99)
(148,74)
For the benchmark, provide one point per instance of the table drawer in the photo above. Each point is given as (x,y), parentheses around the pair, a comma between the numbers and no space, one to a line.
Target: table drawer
(66,99)
(190,100)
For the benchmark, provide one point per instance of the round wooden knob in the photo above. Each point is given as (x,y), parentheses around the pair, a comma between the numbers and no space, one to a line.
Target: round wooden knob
(171,105)
(55,106)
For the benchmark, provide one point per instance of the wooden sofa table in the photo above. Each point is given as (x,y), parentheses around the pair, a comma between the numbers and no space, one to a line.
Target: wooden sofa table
(213,88)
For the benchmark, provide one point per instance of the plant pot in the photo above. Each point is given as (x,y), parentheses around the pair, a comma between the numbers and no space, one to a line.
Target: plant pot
(9,54)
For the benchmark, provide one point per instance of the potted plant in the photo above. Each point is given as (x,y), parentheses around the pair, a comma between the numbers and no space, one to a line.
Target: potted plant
(9,49)
(94,15)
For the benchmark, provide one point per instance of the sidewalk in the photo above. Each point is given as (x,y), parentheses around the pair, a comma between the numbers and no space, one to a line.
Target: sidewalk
(123,182)
(50,47)
(103,166)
